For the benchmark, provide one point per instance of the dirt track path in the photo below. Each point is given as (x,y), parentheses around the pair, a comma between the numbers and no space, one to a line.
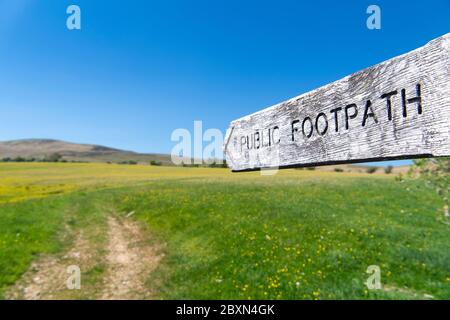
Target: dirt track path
(128,262)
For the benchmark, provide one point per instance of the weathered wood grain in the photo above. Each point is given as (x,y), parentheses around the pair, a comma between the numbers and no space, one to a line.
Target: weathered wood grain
(397,109)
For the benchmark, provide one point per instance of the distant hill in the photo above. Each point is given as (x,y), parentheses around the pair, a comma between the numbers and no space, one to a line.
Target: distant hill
(44,148)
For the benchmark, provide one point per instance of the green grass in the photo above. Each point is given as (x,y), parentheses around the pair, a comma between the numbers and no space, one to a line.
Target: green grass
(297,235)
(31,228)
(295,240)
(26,230)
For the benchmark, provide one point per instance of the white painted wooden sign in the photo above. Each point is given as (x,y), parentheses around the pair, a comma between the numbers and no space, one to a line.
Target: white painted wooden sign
(398,109)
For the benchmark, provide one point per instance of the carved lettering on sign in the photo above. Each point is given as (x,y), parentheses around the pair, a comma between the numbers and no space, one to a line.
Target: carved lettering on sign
(395,110)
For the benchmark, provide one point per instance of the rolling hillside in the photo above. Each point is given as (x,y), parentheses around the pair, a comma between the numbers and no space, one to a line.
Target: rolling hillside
(42,148)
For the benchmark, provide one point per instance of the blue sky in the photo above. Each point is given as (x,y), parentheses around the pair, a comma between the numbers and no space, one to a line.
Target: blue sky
(140,69)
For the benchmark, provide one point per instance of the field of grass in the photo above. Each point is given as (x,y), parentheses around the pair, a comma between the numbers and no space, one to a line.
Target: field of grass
(295,235)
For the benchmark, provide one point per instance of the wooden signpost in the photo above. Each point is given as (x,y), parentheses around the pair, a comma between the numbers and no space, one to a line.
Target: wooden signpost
(398,109)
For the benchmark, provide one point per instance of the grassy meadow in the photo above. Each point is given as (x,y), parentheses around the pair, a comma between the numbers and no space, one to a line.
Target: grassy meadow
(299,234)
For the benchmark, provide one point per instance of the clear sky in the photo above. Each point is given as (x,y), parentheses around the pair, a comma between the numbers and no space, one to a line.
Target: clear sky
(137,70)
